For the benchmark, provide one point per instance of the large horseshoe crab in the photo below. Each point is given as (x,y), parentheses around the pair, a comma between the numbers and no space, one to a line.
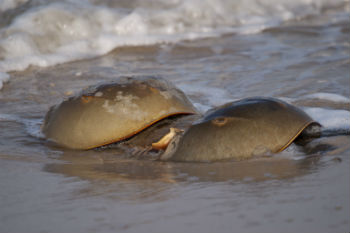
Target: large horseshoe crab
(241,130)
(112,112)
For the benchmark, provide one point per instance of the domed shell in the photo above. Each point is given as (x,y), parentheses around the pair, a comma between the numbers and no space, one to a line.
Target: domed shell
(111,112)
(240,130)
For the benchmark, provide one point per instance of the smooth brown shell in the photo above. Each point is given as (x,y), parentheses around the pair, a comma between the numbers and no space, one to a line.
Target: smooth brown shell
(111,112)
(240,130)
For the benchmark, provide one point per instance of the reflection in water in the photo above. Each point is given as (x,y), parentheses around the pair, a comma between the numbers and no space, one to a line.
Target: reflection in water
(112,165)
(113,175)
(132,180)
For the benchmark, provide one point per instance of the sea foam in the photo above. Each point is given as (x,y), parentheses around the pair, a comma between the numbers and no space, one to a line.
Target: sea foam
(4,77)
(10,4)
(32,126)
(333,121)
(328,97)
(45,33)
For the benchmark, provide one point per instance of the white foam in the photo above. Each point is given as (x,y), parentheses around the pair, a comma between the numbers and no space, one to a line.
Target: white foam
(10,4)
(332,120)
(59,31)
(328,96)
(4,77)
(32,126)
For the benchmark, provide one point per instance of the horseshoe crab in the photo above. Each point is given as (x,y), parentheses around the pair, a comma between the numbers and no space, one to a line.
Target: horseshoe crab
(111,112)
(240,130)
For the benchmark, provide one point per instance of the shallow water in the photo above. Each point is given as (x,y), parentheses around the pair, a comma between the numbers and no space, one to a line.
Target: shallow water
(45,188)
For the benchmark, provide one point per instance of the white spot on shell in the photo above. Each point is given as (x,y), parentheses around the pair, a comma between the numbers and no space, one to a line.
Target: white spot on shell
(123,104)
(127,99)
(107,107)
(166,94)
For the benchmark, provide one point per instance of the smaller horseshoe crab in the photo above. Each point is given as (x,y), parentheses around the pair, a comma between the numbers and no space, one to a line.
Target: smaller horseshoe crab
(112,112)
(240,130)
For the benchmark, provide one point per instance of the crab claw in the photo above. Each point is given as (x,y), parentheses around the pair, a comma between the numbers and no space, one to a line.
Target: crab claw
(162,144)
